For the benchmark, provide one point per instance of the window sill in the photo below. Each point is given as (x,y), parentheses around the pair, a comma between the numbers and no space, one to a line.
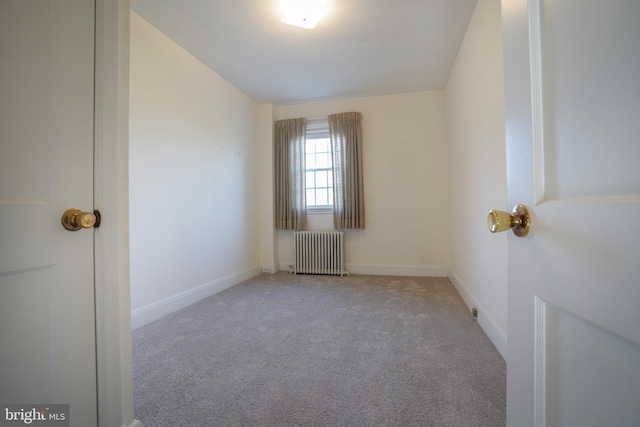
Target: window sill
(319,210)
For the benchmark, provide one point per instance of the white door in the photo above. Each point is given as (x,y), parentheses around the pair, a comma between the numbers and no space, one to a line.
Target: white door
(47,320)
(572,85)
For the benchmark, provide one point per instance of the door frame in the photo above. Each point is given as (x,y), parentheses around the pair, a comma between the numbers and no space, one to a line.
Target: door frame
(111,196)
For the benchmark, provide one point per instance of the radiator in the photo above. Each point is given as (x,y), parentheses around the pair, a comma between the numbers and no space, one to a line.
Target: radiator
(318,252)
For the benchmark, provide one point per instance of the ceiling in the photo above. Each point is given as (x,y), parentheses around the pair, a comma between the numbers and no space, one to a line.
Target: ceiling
(360,47)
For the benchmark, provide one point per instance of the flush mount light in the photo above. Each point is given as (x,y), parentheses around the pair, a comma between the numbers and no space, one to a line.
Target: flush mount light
(303,13)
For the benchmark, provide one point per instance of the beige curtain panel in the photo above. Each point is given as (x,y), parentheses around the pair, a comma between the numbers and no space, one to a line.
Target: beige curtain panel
(345,132)
(291,209)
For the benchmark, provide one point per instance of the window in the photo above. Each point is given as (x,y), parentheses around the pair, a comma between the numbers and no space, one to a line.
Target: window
(319,178)
(318,164)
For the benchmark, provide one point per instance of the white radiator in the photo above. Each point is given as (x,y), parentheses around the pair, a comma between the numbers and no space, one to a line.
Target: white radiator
(318,252)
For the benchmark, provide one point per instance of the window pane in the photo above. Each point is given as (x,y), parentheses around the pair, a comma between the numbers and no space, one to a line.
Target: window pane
(330,179)
(322,145)
(321,179)
(311,145)
(330,196)
(310,161)
(311,182)
(321,196)
(311,197)
(322,160)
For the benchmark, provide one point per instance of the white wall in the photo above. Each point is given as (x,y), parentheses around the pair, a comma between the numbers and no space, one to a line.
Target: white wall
(194,202)
(268,243)
(476,136)
(405,183)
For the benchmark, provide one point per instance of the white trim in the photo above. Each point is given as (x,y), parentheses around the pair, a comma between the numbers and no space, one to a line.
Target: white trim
(537,103)
(135,423)
(113,330)
(286,266)
(397,270)
(540,367)
(156,310)
(495,334)
(268,268)
(578,202)
(388,270)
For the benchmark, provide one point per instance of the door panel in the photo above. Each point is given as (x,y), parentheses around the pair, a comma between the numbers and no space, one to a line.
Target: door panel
(47,312)
(602,366)
(32,349)
(26,71)
(572,108)
(589,90)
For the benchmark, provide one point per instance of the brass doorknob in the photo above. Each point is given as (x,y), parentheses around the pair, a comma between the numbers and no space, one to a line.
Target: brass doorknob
(518,220)
(75,219)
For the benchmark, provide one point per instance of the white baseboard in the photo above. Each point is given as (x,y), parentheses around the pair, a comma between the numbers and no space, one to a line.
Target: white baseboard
(397,270)
(154,311)
(495,334)
(135,423)
(268,268)
(388,270)
(284,266)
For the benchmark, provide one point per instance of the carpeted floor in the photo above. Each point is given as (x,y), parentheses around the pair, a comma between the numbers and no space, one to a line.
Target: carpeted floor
(284,350)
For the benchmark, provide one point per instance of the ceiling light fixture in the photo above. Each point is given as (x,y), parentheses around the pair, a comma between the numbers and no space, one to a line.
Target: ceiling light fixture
(303,13)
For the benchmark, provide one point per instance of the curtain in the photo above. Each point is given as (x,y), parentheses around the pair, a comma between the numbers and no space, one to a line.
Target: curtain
(345,132)
(291,209)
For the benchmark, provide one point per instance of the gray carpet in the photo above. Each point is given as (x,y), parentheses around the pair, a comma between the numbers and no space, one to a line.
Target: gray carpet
(284,350)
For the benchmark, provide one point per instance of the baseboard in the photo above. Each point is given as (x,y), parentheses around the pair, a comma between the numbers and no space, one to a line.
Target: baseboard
(397,270)
(135,423)
(285,266)
(268,268)
(388,270)
(154,311)
(495,334)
